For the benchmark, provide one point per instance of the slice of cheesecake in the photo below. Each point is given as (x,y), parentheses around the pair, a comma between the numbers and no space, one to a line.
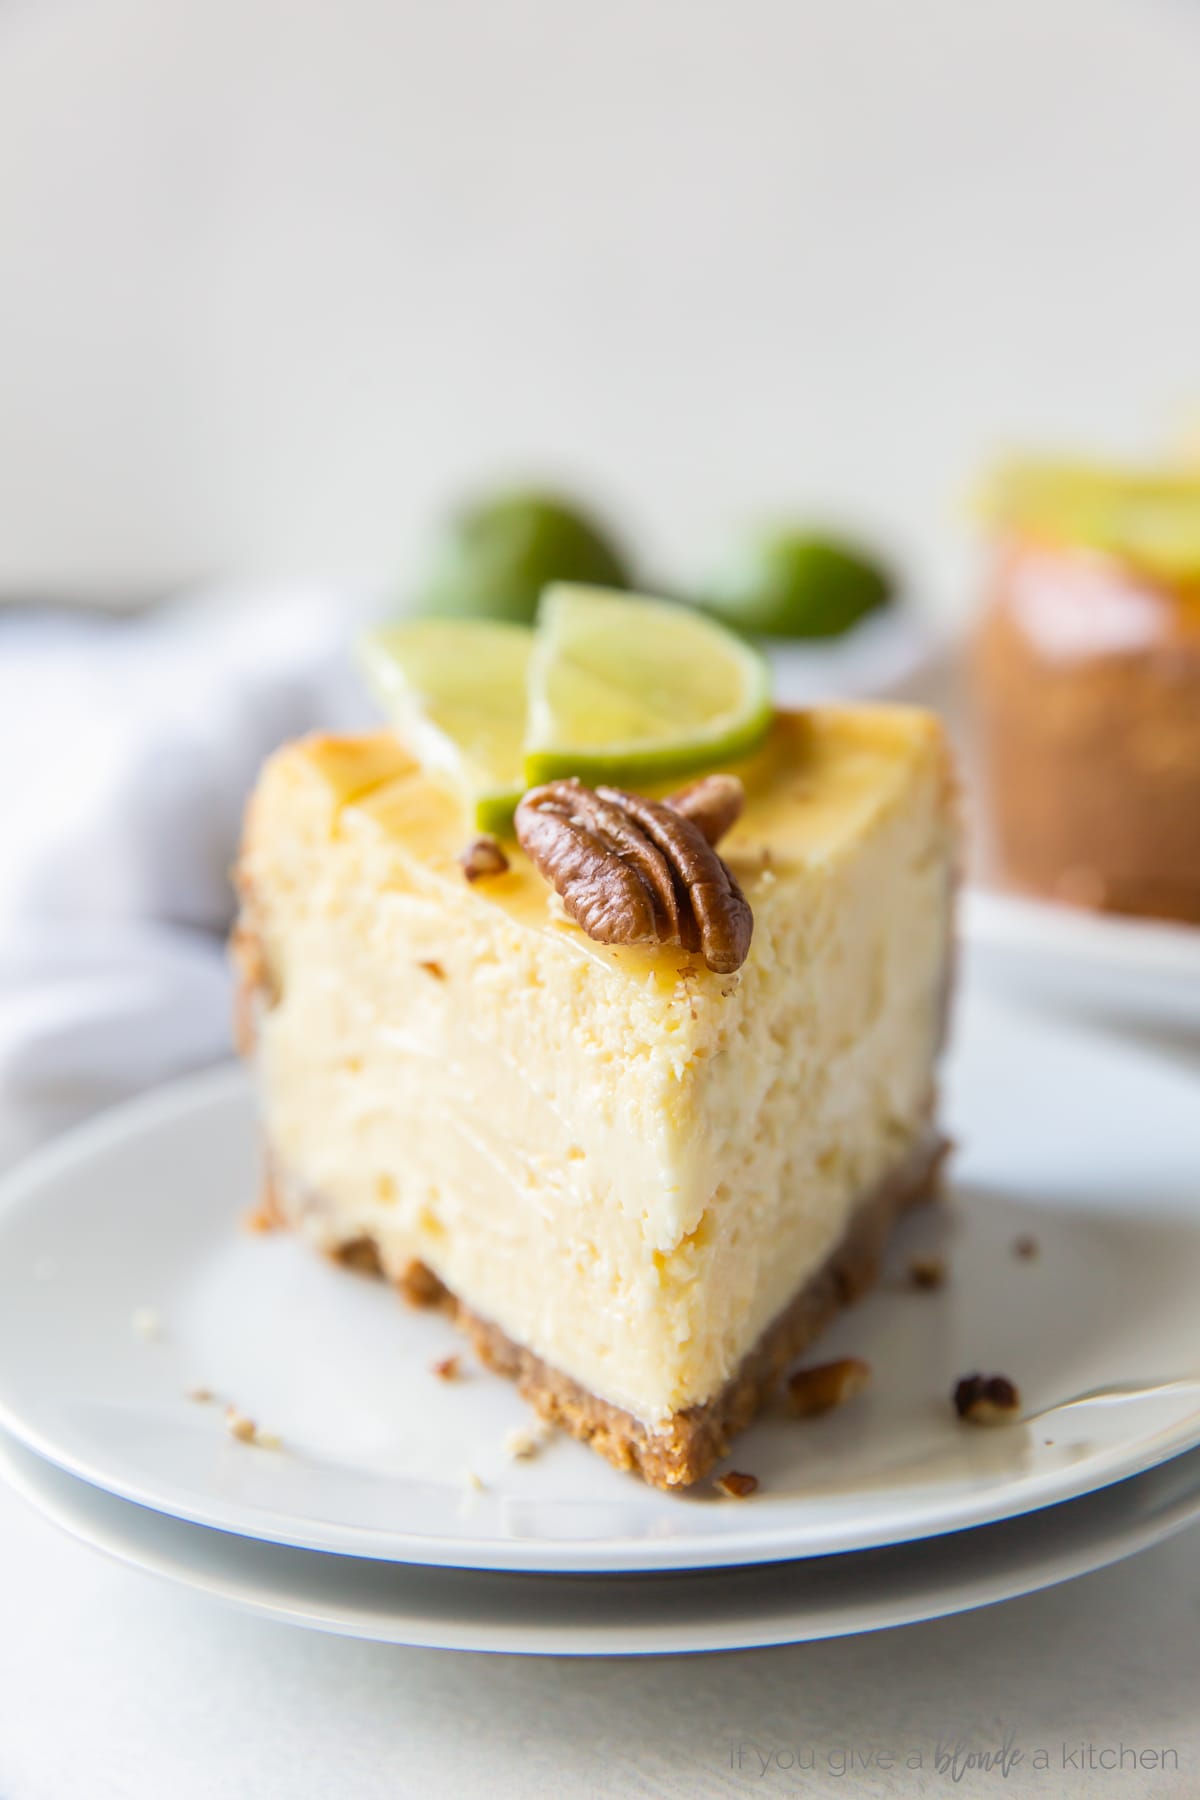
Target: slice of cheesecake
(641,1182)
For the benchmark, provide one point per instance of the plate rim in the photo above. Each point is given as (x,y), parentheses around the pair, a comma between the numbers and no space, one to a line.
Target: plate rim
(1104,1544)
(229,1082)
(999,918)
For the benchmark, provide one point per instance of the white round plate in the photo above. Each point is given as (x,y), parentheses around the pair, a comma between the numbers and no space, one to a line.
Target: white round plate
(1091,1145)
(623,1615)
(1132,971)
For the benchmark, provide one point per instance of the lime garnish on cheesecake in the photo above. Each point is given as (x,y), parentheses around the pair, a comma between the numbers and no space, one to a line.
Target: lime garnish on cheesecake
(454,690)
(610,687)
(632,690)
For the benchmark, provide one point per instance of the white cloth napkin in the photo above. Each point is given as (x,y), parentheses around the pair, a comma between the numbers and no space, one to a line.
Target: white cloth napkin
(128,748)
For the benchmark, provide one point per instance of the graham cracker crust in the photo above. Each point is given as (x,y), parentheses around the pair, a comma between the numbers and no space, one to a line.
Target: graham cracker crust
(685,1448)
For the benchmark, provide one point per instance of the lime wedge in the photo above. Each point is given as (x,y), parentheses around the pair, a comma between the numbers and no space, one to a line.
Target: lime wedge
(632,690)
(454,690)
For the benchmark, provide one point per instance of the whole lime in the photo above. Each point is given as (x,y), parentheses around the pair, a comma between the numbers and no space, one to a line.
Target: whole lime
(496,554)
(784,582)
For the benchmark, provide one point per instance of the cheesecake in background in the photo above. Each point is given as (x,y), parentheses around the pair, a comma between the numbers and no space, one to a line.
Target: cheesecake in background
(1086,672)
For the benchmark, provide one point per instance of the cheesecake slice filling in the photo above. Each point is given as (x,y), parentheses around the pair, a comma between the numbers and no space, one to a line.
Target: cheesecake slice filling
(642,1183)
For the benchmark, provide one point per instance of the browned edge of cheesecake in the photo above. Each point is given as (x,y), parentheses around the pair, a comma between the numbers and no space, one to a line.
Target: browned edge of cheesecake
(685,1447)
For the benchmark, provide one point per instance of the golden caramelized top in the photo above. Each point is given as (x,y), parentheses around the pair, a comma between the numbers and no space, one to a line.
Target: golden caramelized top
(810,790)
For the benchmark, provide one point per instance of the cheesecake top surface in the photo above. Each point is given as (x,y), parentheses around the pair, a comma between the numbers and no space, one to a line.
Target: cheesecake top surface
(811,790)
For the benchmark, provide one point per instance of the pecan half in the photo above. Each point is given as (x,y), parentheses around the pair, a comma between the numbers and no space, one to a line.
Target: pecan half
(714,803)
(634,871)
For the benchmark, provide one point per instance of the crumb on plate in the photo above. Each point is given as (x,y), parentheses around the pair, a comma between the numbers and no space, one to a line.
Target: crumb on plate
(826,1385)
(737,1485)
(525,1441)
(244,1429)
(987,1400)
(927,1272)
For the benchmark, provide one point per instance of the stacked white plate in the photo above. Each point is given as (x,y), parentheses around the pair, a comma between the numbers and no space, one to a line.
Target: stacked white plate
(1142,974)
(389,1507)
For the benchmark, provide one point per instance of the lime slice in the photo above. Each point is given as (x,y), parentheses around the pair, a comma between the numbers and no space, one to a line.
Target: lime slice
(632,690)
(454,690)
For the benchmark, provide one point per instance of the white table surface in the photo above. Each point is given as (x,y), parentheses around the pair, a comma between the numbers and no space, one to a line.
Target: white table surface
(115,1686)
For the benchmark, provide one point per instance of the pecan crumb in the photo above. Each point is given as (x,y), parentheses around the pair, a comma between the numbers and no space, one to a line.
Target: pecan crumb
(986,1400)
(259,1220)
(713,804)
(1026,1247)
(629,870)
(927,1272)
(448,1368)
(433,968)
(737,1485)
(483,857)
(202,1396)
(821,1388)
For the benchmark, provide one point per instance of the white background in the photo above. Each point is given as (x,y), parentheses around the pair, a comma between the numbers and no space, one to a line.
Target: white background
(278,275)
